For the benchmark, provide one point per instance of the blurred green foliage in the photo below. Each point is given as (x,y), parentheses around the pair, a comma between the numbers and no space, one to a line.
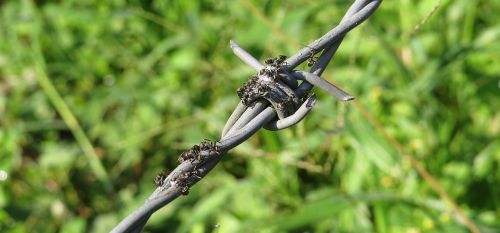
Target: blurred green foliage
(145,80)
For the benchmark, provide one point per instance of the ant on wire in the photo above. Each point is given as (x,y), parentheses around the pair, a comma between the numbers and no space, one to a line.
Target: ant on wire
(312,59)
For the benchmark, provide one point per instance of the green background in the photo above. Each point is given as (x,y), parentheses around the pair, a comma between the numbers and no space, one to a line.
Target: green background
(97,97)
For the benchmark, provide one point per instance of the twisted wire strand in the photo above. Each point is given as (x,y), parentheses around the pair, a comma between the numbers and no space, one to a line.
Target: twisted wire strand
(247,120)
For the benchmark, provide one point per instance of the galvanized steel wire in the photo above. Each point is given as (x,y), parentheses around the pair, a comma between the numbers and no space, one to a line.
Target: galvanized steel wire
(247,120)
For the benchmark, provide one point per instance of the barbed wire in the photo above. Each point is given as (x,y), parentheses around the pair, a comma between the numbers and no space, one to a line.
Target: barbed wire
(272,99)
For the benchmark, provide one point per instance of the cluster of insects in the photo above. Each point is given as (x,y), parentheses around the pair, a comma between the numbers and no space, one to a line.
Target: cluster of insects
(276,62)
(193,154)
(258,85)
(273,67)
(182,182)
(212,146)
(185,180)
(252,90)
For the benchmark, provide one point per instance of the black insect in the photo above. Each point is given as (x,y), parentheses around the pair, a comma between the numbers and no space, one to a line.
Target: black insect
(280,59)
(311,62)
(185,190)
(312,59)
(196,174)
(265,72)
(158,181)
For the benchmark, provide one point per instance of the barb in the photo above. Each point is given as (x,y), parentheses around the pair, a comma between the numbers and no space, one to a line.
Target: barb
(272,99)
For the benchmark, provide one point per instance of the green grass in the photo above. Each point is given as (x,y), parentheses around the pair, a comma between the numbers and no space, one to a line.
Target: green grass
(97,97)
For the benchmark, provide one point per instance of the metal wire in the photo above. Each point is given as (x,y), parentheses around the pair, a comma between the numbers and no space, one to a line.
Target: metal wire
(247,120)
